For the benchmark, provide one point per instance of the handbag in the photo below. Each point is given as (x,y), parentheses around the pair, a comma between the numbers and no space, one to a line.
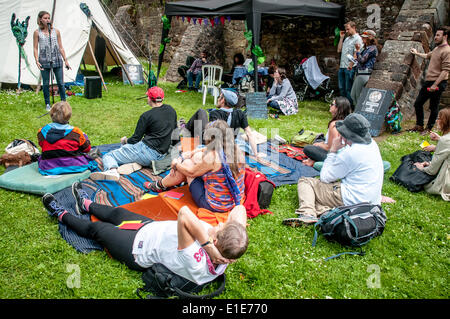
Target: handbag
(409,176)
(19,145)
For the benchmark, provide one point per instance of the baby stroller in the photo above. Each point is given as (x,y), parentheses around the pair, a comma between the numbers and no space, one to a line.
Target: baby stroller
(246,84)
(310,83)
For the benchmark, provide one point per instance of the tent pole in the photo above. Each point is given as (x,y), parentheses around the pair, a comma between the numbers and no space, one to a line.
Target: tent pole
(121,63)
(96,64)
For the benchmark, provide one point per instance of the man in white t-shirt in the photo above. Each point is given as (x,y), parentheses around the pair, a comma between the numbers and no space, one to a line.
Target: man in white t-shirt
(351,176)
(187,246)
(346,48)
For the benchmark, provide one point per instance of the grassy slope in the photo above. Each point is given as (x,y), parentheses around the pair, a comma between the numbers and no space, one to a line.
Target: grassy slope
(412,254)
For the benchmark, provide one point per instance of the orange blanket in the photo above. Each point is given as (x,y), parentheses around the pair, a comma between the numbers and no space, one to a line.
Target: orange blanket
(166,208)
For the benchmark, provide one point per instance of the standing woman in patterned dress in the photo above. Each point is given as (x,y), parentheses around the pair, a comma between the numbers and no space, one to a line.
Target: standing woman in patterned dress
(49,57)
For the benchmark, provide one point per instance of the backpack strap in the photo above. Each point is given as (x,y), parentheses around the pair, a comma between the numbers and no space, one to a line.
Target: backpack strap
(346,253)
(138,292)
(360,253)
(318,223)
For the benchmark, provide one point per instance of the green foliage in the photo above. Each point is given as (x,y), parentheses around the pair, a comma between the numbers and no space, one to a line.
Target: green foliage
(412,255)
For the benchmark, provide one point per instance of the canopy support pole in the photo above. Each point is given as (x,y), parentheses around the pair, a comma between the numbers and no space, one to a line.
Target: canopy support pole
(164,34)
(254,24)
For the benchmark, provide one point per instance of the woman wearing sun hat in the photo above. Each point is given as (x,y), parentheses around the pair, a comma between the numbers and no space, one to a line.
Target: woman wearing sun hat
(351,176)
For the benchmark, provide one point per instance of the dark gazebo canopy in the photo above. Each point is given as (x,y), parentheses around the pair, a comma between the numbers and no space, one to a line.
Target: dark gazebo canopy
(252,11)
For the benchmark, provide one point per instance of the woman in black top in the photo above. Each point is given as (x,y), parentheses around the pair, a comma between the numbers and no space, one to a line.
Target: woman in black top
(225,111)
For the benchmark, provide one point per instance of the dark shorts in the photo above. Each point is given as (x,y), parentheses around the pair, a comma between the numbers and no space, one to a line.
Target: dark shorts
(197,189)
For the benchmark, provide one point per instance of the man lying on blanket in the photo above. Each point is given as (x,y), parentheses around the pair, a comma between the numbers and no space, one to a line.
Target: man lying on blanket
(188,246)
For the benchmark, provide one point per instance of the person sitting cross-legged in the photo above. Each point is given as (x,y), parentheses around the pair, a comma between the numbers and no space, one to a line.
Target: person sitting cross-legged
(352,176)
(189,247)
(440,163)
(215,173)
(339,109)
(151,140)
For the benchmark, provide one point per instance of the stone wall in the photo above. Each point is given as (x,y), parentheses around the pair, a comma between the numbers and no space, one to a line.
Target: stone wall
(290,40)
(282,40)
(402,25)
(195,39)
(139,23)
(396,68)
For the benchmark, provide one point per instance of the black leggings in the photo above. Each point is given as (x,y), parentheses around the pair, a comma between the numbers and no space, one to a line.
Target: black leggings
(434,98)
(316,153)
(118,242)
(200,115)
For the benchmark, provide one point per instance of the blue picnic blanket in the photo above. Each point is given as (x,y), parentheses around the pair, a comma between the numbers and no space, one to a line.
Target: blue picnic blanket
(111,193)
(81,244)
(297,168)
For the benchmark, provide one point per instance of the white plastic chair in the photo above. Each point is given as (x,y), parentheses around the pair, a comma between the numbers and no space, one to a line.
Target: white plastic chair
(212,77)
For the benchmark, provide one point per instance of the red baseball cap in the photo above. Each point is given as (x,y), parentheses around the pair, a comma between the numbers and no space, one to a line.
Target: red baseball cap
(156,94)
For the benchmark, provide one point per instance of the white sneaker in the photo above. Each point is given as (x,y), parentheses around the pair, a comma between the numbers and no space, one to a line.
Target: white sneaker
(279,139)
(111,175)
(129,168)
(48,107)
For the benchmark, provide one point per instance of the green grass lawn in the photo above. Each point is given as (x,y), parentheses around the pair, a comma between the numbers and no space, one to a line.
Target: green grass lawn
(410,259)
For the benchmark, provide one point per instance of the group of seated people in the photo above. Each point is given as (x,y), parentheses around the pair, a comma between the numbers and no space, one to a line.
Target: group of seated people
(352,173)
(215,175)
(280,94)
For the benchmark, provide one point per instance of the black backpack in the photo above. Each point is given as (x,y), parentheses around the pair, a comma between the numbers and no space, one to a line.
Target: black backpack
(410,176)
(163,283)
(265,192)
(353,225)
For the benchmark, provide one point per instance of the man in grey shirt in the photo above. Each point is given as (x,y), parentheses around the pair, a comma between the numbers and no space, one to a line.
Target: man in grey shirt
(346,48)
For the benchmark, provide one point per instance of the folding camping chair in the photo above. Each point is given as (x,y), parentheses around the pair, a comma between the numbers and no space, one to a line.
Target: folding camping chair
(212,76)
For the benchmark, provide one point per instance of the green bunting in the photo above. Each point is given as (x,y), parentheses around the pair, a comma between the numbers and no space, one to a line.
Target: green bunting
(337,35)
(166,22)
(248,34)
(258,52)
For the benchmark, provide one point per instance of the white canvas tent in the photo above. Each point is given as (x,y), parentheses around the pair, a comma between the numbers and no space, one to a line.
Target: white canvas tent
(75,27)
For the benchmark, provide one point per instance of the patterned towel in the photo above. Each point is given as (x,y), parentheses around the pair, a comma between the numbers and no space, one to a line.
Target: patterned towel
(296,168)
(127,190)
(81,244)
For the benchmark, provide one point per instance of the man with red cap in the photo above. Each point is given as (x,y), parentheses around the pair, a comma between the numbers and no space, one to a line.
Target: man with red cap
(151,140)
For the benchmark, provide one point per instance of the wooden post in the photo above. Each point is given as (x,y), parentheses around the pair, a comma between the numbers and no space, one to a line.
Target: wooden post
(121,63)
(96,65)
